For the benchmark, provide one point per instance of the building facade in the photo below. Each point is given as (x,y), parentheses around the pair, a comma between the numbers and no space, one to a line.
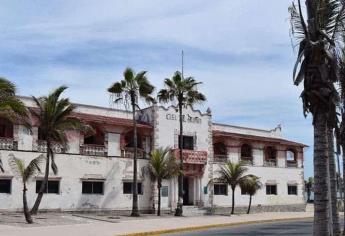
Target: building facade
(95,172)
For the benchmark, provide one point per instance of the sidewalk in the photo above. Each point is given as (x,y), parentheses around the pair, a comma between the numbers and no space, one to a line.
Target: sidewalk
(125,227)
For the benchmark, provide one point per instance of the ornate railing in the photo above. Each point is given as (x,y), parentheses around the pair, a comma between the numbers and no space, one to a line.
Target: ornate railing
(93,150)
(41,146)
(247,161)
(270,163)
(291,164)
(220,158)
(8,144)
(129,153)
(191,156)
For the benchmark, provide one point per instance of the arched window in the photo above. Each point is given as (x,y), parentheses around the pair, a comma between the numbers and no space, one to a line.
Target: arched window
(270,156)
(6,128)
(219,149)
(246,151)
(291,157)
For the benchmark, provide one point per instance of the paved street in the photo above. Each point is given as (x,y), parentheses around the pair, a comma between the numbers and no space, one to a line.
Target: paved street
(294,228)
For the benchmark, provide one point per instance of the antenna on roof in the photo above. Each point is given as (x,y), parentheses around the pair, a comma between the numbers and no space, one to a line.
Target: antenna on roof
(182,63)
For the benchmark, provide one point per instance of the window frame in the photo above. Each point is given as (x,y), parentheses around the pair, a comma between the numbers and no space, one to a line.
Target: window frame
(219,189)
(270,186)
(190,146)
(10,187)
(294,186)
(47,186)
(92,182)
(139,186)
(165,191)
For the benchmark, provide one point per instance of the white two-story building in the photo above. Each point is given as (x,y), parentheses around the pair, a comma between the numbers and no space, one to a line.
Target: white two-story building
(96,172)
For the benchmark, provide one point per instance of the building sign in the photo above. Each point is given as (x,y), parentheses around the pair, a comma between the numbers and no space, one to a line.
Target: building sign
(186,118)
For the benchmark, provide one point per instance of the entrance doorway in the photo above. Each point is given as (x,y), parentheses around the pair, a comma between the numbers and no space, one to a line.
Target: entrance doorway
(186,185)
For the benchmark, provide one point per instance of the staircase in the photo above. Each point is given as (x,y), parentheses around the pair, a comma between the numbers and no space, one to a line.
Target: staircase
(309,207)
(194,211)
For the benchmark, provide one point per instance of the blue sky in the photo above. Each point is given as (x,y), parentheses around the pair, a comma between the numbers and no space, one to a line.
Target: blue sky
(240,49)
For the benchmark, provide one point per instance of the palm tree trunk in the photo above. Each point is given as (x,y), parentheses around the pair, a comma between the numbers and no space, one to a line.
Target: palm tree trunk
(135,208)
(250,203)
(343,183)
(27,214)
(233,201)
(321,177)
(179,209)
(333,183)
(159,198)
(39,197)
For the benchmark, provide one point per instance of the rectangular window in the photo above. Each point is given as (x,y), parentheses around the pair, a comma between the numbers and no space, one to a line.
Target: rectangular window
(220,189)
(92,187)
(5,185)
(271,189)
(292,190)
(165,191)
(53,186)
(188,142)
(128,188)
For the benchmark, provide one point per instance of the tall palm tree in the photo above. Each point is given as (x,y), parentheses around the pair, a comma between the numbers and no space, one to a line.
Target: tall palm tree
(318,39)
(183,91)
(11,107)
(129,91)
(233,174)
(250,186)
(55,116)
(25,174)
(162,165)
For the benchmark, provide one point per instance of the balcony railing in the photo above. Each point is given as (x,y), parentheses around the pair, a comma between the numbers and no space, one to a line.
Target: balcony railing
(191,156)
(93,150)
(129,153)
(8,144)
(247,161)
(41,146)
(220,158)
(292,164)
(270,163)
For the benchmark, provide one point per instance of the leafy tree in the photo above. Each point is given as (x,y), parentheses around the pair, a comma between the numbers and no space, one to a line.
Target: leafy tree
(11,108)
(162,165)
(25,174)
(55,117)
(129,91)
(319,39)
(183,91)
(250,186)
(233,174)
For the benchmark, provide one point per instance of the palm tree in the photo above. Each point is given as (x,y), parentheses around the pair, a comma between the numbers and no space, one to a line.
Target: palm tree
(233,174)
(318,39)
(25,174)
(129,91)
(162,165)
(55,117)
(250,186)
(185,92)
(11,107)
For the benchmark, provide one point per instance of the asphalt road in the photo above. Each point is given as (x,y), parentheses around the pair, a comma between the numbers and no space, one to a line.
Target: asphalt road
(294,228)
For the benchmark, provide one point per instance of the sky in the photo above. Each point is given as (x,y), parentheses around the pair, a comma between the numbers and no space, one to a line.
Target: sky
(241,50)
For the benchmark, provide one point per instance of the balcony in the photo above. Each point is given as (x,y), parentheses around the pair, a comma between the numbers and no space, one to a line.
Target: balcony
(270,163)
(93,150)
(247,161)
(41,146)
(291,164)
(220,158)
(8,144)
(191,156)
(129,153)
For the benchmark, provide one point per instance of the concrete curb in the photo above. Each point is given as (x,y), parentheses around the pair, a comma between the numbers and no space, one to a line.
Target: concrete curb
(210,226)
